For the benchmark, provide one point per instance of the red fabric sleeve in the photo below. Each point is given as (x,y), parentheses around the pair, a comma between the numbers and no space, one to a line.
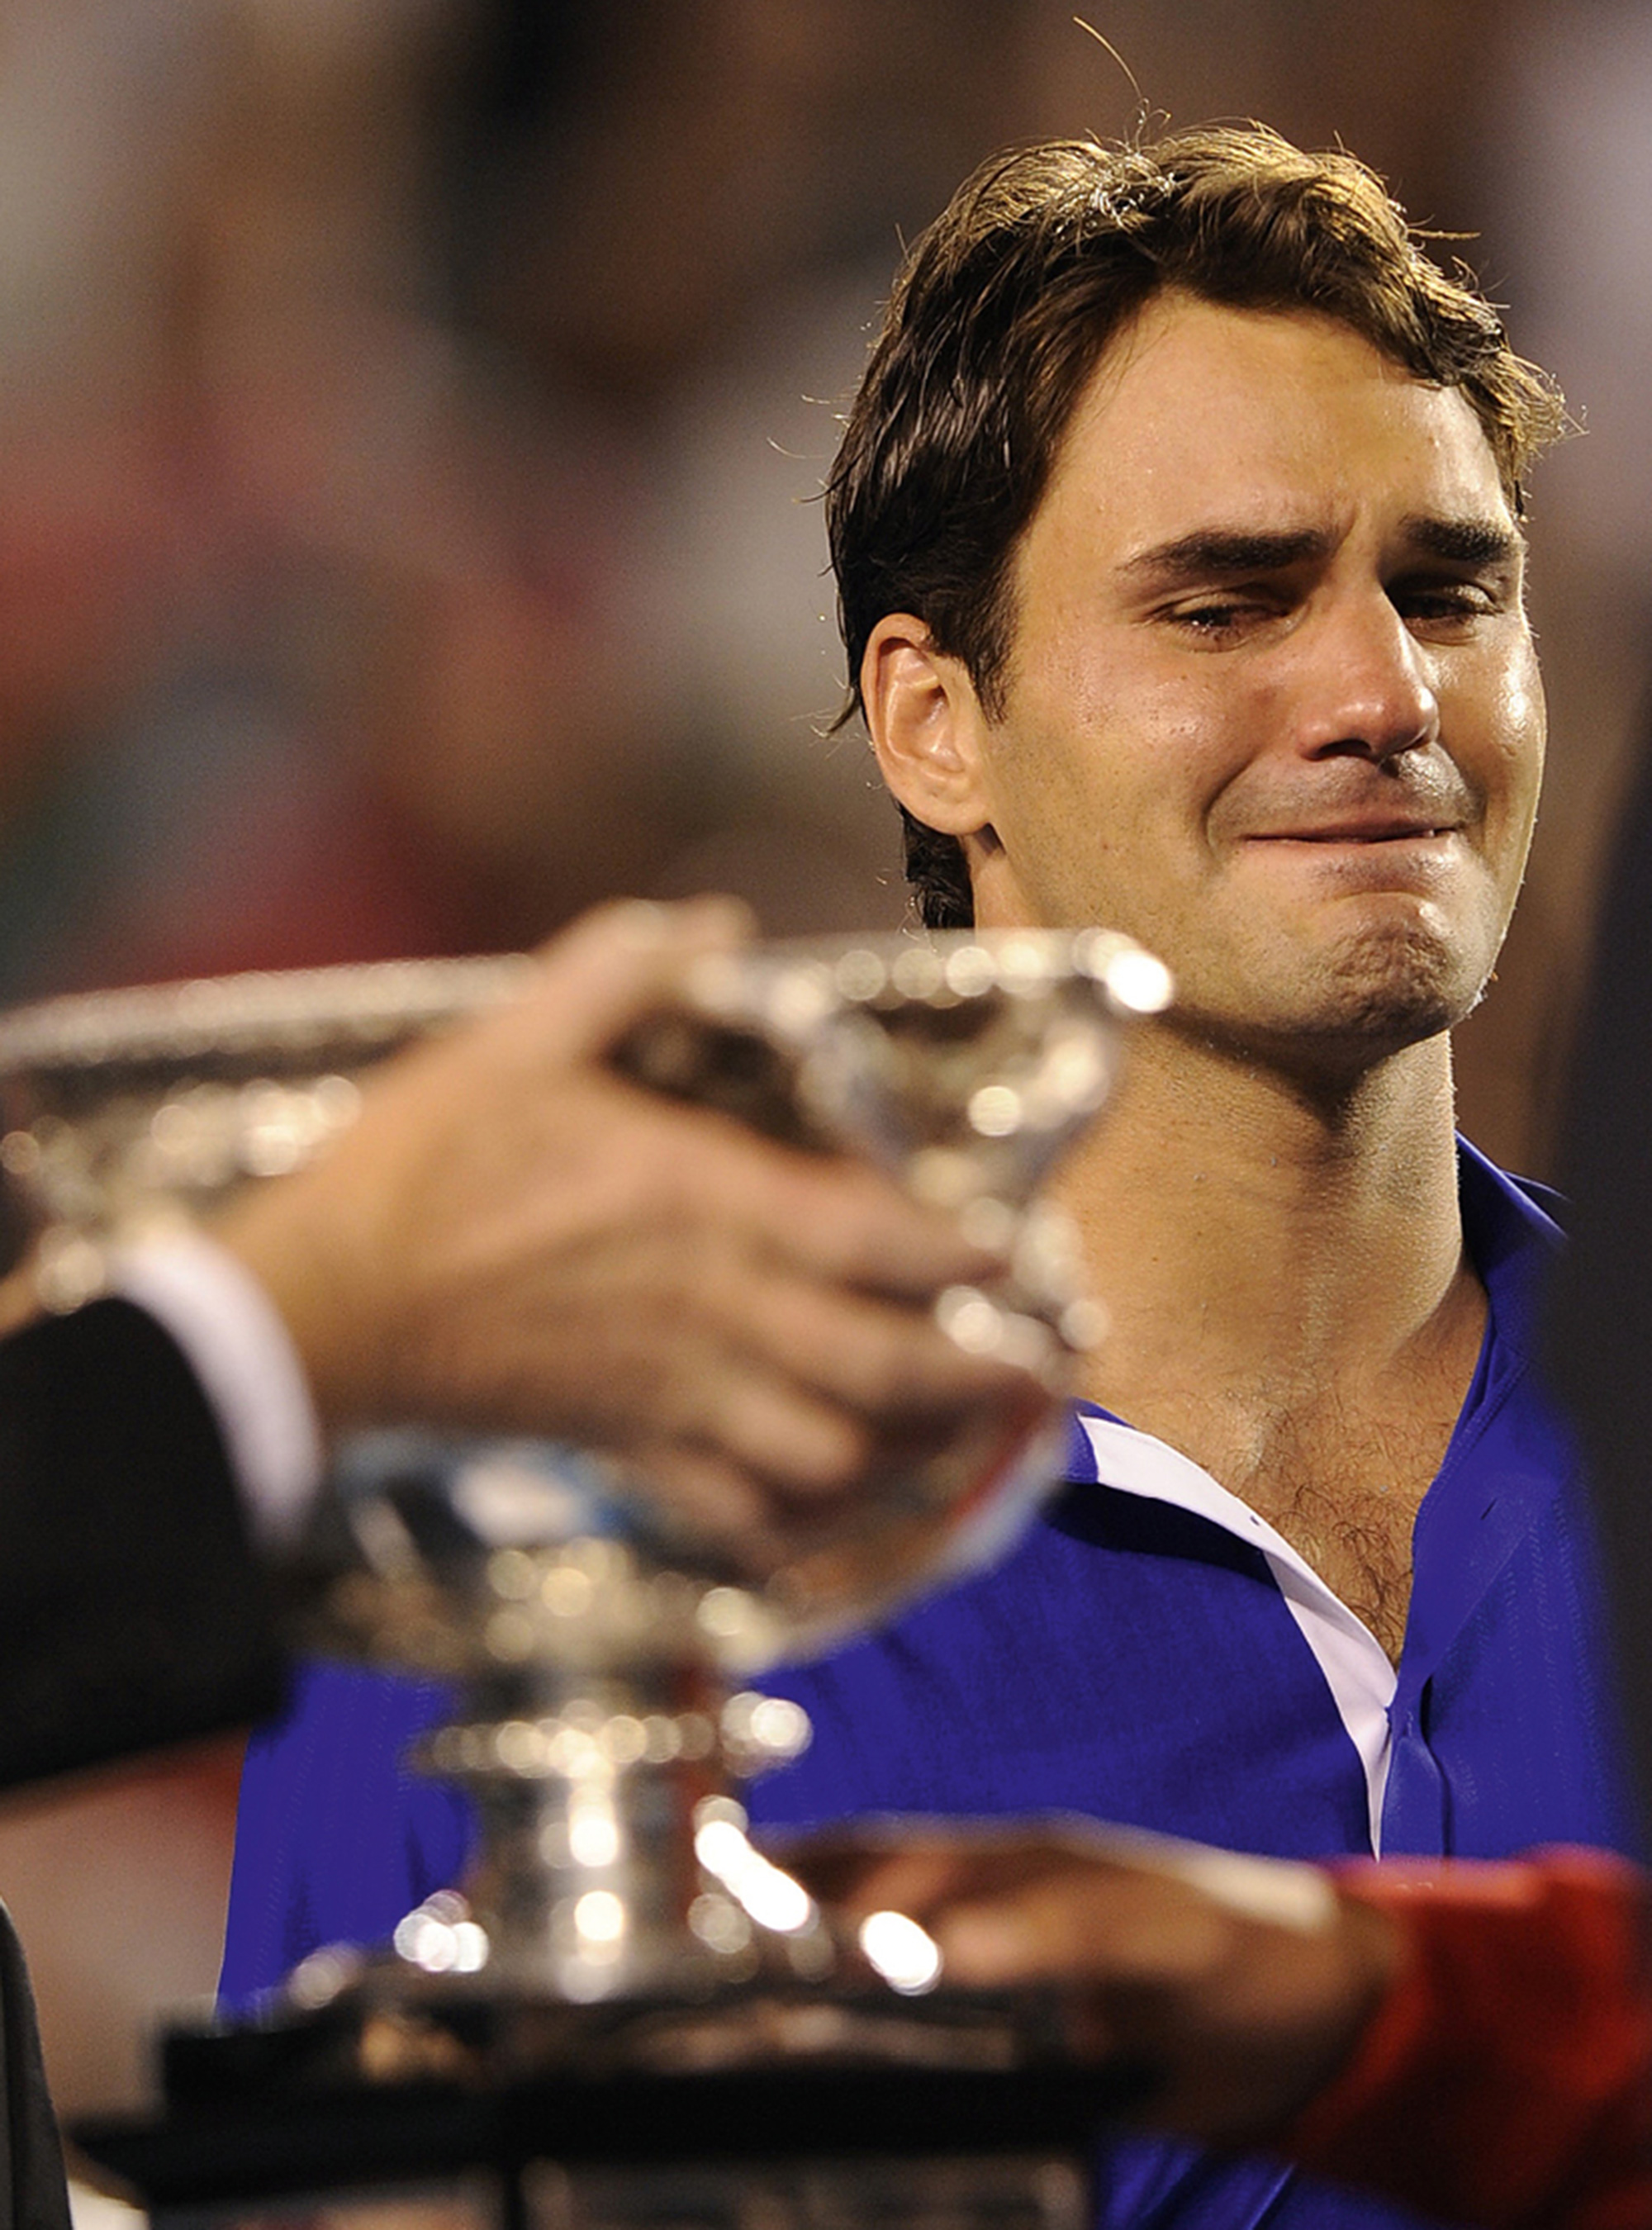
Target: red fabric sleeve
(1507,2079)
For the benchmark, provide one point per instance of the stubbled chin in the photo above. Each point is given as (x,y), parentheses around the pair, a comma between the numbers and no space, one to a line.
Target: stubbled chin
(1373,990)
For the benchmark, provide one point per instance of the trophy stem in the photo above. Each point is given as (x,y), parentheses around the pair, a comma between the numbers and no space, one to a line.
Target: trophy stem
(613,1862)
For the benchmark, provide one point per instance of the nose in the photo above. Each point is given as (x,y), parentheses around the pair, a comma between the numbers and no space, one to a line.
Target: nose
(1369,686)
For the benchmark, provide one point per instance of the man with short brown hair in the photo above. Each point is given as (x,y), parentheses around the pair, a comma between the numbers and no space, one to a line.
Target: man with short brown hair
(1177,531)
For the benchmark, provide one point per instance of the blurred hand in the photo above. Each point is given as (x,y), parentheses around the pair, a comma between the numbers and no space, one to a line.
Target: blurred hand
(1245,1983)
(514,1238)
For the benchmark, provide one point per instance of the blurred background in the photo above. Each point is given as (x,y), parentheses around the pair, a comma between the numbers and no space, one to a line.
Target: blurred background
(412,415)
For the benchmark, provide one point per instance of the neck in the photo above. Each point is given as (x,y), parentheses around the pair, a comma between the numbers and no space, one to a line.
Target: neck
(1246,1231)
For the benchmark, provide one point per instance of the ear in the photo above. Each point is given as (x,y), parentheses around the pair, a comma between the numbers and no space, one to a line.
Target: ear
(927,727)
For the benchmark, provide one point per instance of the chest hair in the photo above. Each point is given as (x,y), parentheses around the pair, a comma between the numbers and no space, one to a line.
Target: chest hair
(1343,1490)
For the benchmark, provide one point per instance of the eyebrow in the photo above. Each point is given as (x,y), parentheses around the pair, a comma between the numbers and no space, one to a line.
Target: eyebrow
(1227,550)
(1464,541)
(1218,550)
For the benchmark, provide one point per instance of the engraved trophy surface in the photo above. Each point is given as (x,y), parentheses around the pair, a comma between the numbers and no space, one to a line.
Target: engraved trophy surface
(601,1653)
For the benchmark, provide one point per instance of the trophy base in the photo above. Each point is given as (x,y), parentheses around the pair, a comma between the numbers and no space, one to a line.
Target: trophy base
(783,2110)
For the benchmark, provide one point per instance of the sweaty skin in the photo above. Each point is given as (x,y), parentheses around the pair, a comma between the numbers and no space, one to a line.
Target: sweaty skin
(1271,707)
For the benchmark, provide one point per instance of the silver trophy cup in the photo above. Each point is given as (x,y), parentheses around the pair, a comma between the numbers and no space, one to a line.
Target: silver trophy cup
(601,1655)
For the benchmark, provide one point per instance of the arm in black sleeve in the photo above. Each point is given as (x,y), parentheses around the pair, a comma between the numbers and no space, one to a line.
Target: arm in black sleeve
(133,1611)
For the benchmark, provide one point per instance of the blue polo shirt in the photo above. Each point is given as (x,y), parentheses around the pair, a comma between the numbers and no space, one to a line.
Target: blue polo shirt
(1151,1653)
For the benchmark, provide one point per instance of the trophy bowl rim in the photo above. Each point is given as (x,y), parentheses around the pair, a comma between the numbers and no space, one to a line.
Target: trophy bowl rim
(372,1004)
(366,1002)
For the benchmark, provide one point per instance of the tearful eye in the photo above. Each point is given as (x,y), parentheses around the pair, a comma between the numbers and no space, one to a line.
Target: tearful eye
(1229,615)
(1448,602)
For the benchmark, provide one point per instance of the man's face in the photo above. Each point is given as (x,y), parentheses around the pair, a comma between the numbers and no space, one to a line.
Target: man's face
(1272,705)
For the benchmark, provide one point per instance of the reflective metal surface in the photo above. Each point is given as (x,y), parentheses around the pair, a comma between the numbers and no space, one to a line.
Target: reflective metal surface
(600,1648)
